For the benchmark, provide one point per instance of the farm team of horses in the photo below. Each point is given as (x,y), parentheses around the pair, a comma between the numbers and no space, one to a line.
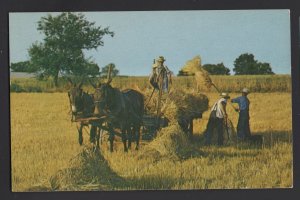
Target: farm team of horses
(112,108)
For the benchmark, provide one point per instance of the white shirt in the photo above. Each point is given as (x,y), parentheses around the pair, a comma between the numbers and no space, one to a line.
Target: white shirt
(219,108)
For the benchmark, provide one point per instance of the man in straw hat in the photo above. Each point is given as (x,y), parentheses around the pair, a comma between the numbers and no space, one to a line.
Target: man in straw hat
(243,128)
(159,70)
(217,117)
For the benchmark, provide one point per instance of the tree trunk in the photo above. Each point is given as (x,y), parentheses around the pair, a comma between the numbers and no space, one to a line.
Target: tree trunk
(56,80)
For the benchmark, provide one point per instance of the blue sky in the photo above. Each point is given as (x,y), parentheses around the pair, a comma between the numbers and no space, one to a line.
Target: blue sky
(217,36)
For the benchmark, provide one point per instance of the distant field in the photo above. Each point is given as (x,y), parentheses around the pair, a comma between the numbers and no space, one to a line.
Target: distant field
(257,83)
(21,75)
(43,141)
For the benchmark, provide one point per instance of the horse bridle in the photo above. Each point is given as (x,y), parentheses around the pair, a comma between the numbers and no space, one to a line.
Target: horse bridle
(71,104)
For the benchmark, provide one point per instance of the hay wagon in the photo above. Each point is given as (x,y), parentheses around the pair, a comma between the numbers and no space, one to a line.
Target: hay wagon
(188,108)
(153,123)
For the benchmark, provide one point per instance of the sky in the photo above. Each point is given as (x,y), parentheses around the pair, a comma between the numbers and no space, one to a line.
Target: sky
(141,36)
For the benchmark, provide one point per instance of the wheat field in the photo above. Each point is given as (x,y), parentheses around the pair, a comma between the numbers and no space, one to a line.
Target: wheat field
(257,83)
(44,141)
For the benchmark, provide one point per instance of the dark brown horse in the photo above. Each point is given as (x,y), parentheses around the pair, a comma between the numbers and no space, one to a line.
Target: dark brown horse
(82,106)
(123,109)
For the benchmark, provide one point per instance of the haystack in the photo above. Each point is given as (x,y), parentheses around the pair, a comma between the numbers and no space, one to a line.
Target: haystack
(86,171)
(191,66)
(184,105)
(178,104)
(171,143)
(203,79)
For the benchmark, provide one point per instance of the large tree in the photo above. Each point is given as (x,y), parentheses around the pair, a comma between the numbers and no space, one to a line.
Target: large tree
(246,64)
(218,69)
(66,37)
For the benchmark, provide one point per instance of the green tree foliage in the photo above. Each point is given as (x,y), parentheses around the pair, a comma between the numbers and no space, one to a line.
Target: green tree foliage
(246,64)
(114,70)
(66,37)
(23,66)
(92,69)
(218,69)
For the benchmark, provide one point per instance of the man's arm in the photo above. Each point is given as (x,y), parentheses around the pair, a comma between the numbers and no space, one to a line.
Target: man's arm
(236,100)
(169,74)
(222,107)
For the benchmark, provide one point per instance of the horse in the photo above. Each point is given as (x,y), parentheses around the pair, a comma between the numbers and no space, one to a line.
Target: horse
(123,109)
(82,105)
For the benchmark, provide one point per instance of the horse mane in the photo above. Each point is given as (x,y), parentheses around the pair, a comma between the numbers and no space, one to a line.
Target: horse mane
(113,101)
(123,102)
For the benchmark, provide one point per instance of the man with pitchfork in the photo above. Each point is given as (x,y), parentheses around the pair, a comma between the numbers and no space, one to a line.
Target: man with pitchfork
(160,79)
(243,128)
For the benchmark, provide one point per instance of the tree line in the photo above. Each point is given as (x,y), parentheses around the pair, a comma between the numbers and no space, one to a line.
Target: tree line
(245,64)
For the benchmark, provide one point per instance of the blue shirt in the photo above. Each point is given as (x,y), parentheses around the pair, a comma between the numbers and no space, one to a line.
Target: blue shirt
(243,102)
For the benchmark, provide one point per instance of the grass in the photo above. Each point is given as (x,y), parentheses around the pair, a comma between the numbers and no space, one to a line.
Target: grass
(43,141)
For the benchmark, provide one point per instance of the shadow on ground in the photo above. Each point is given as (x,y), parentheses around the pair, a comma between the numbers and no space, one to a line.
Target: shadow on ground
(269,140)
(90,171)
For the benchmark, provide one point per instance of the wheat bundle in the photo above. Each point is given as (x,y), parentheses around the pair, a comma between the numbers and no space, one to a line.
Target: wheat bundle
(191,66)
(229,136)
(171,142)
(184,105)
(150,101)
(178,104)
(202,78)
(86,171)
(230,132)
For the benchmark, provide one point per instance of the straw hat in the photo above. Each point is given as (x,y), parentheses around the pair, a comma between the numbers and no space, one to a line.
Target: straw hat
(160,59)
(225,95)
(245,90)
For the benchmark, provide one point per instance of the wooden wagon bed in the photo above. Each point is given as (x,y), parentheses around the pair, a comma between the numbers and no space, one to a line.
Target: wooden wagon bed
(151,124)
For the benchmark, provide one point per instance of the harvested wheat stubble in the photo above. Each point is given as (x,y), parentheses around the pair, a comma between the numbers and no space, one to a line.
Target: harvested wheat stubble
(87,171)
(171,143)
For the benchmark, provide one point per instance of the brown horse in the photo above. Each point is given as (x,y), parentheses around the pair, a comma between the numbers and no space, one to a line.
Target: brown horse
(123,109)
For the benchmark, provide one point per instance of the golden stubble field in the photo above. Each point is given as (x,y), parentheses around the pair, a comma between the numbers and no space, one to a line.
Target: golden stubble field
(43,141)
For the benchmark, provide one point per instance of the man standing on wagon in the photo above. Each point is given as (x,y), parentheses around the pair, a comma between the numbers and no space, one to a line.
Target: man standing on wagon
(160,71)
(243,127)
(216,120)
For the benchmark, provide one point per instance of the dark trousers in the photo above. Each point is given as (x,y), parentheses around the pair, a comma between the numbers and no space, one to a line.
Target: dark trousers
(243,128)
(214,123)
